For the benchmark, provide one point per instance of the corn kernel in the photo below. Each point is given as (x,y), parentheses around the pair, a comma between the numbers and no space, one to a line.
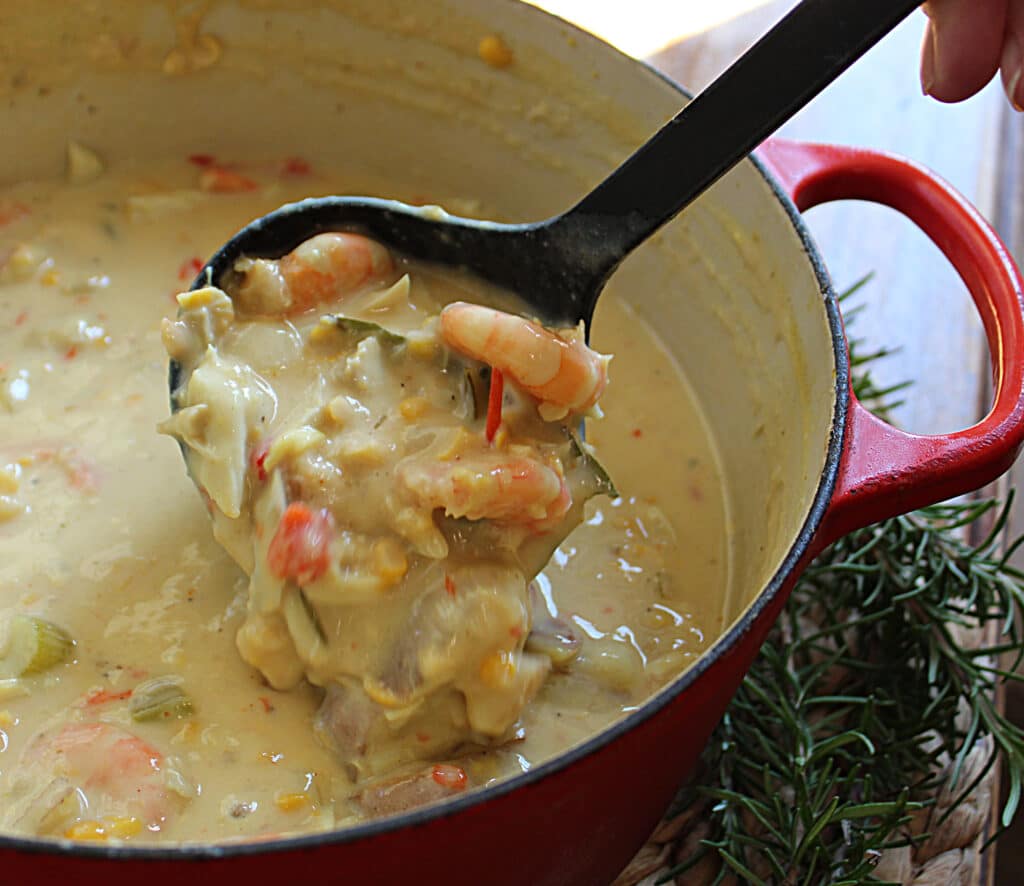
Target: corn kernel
(114,827)
(6,719)
(340,411)
(292,444)
(382,695)
(176,63)
(207,297)
(198,298)
(325,330)
(293,802)
(413,408)
(194,51)
(501,437)
(206,52)
(86,830)
(498,669)
(123,826)
(495,52)
(50,278)
(389,560)
(9,479)
(23,262)
(421,345)
(361,449)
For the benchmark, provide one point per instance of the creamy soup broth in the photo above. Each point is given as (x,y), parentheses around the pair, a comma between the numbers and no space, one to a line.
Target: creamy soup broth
(102,532)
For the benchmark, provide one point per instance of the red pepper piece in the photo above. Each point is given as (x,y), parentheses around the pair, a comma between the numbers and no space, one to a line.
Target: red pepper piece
(299,548)
(494,397)
(11,212)
(296,166)
(190,268)
(257,459)
(449,776)
(105,696)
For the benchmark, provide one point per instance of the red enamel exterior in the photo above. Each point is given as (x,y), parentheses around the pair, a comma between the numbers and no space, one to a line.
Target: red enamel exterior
(885,471)
(579,820)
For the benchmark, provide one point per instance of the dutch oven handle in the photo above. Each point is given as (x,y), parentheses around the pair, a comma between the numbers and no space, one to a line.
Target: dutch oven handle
(885,471)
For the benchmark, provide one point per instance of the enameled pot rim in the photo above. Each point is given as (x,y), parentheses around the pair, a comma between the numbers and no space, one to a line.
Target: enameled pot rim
(780,581)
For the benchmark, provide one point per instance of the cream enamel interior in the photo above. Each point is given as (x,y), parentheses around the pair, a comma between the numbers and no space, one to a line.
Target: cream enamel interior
(386,86)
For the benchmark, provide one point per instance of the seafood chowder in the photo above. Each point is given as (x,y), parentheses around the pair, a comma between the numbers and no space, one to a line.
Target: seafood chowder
(405,573)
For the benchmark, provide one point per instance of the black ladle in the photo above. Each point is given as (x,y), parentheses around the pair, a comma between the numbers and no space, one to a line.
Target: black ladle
(560,265)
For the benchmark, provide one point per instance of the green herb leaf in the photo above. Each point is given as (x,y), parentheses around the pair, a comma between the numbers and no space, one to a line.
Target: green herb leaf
(862,694)
(364,328)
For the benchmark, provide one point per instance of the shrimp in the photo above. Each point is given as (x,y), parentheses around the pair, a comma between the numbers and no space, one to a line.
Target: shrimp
(404,792)
(561,372)
(320,270)
(113,783)
(490,485)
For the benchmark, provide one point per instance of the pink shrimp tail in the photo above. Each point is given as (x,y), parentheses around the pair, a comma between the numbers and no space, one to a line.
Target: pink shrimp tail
(555,370)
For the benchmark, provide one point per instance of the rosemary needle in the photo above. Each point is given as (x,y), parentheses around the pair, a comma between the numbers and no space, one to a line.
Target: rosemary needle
(861,694)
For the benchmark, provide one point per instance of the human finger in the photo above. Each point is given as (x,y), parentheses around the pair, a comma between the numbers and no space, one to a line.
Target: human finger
(963,46)
(1011,62)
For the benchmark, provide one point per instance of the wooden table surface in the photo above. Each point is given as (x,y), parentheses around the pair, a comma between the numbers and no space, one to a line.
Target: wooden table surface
(915,302)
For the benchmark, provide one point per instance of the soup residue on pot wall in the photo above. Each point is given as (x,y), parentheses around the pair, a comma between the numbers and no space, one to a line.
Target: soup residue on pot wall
(103,535)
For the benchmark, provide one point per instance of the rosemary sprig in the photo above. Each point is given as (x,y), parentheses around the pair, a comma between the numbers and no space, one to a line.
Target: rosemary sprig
(862,694)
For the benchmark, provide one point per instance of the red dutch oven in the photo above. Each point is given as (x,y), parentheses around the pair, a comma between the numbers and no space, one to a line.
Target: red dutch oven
(739,293)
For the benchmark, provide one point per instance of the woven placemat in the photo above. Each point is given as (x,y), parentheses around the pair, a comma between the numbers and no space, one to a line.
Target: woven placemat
(948,856)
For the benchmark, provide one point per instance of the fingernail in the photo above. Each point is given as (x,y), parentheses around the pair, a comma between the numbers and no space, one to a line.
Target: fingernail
(928,60)
(1013,90)
(1011,65)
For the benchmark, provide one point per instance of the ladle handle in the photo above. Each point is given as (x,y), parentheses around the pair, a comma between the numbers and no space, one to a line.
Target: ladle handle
(885,471)
(774,79)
